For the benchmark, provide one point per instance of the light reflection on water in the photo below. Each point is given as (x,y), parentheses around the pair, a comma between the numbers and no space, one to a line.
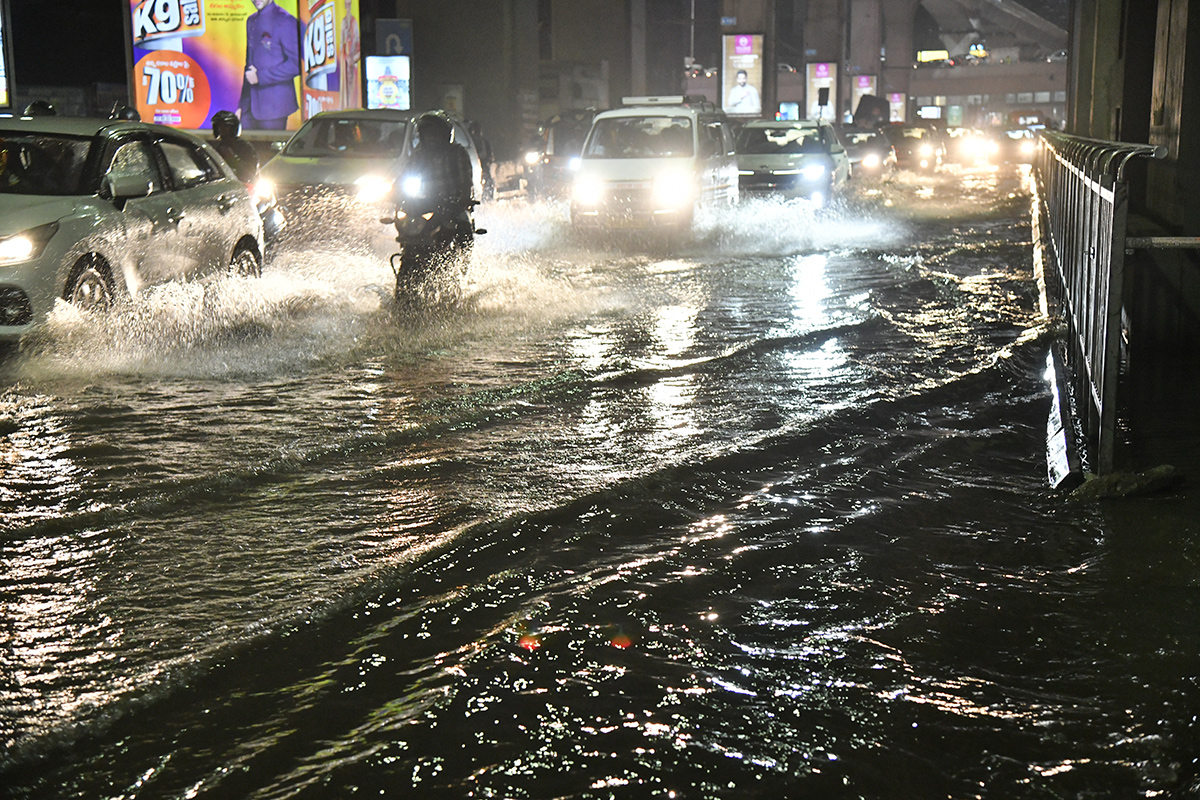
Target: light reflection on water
(755,518)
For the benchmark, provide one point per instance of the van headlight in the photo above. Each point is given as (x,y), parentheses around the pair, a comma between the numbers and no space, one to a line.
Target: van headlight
(26,245)
(672,189)
(373,188)
(589,191)
(813,172)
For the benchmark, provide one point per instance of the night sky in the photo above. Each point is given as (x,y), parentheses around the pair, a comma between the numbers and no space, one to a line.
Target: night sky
(83,41)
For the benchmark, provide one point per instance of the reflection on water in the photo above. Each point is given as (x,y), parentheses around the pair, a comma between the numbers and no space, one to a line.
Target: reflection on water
(759,515)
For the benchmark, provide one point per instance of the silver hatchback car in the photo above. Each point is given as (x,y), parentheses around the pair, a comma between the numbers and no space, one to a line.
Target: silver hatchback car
(92,210)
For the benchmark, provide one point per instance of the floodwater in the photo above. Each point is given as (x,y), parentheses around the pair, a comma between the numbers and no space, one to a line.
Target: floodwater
(759,513)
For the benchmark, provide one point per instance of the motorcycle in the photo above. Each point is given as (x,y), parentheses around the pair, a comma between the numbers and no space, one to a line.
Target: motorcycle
(435,239)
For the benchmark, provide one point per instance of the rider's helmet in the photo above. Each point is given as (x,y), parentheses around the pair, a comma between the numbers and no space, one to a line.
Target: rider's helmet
(226,124)
(433,128)
(40,108)
(122,111)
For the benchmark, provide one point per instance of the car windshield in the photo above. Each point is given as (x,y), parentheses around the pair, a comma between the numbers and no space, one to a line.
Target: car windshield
(770,141)
(42,163)
(348,138)
(640,137)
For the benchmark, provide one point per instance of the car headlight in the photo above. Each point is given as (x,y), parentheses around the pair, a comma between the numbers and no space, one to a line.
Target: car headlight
(27,245)
(1027,147)
(870,161)
(533,157)
(589,191)
(373,188)
(672,189)
(262,190)
(813,172)
(925,150)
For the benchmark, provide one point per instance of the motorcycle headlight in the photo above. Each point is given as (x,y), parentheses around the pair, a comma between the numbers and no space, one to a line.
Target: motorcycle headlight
(672,189)
(373,188)
(412,186)
(533,157)
(589,191)
(813,172)
(27,245)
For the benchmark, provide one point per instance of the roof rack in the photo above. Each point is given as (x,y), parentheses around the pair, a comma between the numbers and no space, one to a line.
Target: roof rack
(697,100)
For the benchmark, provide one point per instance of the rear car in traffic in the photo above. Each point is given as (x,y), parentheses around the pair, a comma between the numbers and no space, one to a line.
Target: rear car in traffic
(340,167)
(871,154)
(649,165)
(553,155)
(918,147)
(93,210)
(791,159)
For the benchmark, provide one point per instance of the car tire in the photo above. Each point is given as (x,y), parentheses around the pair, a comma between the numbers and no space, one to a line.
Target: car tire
(245,262)
(90,287)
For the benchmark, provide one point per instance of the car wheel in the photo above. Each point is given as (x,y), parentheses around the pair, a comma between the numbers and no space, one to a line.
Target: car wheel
(90,286)
(245,262)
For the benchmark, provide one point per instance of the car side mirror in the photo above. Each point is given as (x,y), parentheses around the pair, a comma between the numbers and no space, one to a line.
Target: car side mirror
(123,186)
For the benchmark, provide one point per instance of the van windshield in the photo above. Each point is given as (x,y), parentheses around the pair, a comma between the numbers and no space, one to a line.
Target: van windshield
(641,137)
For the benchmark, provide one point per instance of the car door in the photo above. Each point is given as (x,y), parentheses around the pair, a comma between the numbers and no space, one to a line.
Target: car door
(153,243)
(209,206)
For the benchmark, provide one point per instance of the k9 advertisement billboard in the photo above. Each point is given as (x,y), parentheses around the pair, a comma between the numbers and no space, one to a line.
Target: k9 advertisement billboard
(5,59)
(257,58)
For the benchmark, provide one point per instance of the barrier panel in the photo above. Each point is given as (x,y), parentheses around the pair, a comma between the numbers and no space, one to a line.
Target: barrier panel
(1082,185)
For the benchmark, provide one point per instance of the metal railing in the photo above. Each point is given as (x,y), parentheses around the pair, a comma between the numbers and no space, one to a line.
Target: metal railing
(1082,184)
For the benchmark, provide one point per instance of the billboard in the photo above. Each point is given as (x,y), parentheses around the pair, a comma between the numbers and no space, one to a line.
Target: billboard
(820,76)
(332,56)
(193,58)
(5,57)
(388,82)
(742,74)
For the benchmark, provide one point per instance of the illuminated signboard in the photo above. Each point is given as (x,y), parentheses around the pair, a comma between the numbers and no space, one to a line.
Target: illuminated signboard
(820,76)
(270,61)
(388,83)
(862,86)
(742,74)
(925,56)
(898,106)
(5,58)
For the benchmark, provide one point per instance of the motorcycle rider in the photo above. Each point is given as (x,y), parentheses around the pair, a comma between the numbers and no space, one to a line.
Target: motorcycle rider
(437,176)
(237,152)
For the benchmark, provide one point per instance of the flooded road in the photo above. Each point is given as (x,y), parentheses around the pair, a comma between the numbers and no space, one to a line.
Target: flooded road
(762,514)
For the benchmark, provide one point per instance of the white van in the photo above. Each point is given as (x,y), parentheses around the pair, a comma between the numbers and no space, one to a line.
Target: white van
(650,164)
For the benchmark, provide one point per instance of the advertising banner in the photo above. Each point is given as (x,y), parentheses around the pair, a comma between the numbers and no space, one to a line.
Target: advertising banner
(5,89)
(822,76)
(742,74)
(193,58)
(863,85)
(898,106)
(332,55)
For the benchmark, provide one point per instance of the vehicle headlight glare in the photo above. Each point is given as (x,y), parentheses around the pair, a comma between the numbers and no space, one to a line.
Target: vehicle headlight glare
(373,188)
(412,186)
(926,150)
(870,161)
(813,172)
(263,189)
(1027,148)
(26,245)
(533,157)
(589,191)
(672,188)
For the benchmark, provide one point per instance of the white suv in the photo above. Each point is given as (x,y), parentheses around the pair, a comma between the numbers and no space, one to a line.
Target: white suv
(648,165)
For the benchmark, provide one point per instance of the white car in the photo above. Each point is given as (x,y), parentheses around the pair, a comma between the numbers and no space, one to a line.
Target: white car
(792,159)
(92,210)
(652,163)
(340,167)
